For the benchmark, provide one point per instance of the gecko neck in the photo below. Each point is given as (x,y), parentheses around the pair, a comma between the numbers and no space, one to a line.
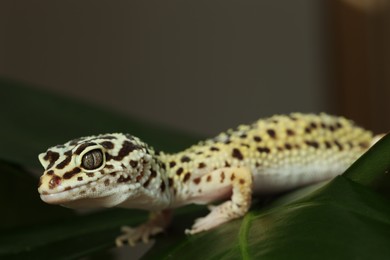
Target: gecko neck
(151,190)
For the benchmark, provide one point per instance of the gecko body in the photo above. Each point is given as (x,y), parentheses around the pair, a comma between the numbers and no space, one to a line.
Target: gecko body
(271,155)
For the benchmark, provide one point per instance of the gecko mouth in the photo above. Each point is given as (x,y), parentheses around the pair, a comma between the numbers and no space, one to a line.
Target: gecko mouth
(66,194)
(97,189)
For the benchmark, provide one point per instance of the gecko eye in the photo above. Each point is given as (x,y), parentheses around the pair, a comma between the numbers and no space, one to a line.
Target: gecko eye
(92,159)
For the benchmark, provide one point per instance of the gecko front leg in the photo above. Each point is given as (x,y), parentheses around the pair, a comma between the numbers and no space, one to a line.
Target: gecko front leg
(157,223)
(235,181)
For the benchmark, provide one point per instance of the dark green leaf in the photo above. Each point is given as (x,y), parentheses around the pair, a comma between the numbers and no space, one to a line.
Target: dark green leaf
(373,168)
(342,220)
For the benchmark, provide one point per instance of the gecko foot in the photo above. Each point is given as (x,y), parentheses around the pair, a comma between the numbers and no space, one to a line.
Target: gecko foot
(217,216)
(134,235)
(157,223)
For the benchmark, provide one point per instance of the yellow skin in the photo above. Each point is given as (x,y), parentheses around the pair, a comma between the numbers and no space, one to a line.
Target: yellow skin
(271,155)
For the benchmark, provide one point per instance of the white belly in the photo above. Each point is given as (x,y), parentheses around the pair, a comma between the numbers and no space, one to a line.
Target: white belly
(279,179)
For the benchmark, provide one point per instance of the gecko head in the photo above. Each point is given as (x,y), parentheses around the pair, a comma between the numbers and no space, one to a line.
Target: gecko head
(95,171)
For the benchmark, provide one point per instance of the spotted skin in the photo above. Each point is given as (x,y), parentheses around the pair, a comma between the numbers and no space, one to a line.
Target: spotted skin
(271,155)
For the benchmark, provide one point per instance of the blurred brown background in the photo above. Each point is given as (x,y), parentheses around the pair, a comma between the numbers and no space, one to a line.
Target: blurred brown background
(360,60)
(203,66)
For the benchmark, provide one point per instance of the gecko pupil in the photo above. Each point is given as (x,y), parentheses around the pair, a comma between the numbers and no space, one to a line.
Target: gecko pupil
(92,159)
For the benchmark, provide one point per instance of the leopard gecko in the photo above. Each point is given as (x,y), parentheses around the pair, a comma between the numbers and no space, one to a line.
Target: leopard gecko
(271,155)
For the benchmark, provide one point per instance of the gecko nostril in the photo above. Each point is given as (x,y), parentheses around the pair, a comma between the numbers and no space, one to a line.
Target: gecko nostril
(54,181)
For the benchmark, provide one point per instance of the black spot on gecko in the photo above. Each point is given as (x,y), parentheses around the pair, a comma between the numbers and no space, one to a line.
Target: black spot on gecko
(122,179)
(243,136)
(263,150)
(196,180)
(312,144)
(257,139)
(127,148)
(51,172)
(170,182)
(186,177)
(107,145)
(307,130)
(133,163)
(172,164)
(146,184)
(185,159)
(79,178)
(237,154)
(338,145)
(52,157)
(90,174)
(162,186)
(201,165)
(227,164)
(107,182)
(288,146)
(208,179)
(66,161)
(328,145)
(290,132)
(109,166)
(179,171)
(271,133)
(212,148)
(162,166)
(71,173)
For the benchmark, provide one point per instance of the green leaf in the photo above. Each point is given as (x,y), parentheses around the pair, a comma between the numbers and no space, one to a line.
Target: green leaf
(373,168)
(342,220)
(339,220)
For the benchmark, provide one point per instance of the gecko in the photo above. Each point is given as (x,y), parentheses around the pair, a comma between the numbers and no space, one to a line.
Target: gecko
(271,155)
